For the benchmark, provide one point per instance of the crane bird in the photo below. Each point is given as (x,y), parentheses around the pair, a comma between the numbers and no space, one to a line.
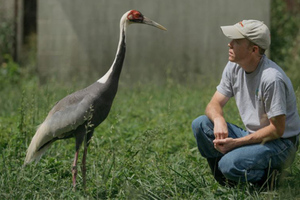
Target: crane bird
(78,114)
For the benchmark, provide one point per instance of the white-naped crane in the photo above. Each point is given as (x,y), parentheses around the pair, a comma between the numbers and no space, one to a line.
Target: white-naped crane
(78,114)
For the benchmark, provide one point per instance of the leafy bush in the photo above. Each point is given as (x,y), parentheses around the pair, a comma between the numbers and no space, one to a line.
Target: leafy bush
(285,32)
(6,36)
(9,72)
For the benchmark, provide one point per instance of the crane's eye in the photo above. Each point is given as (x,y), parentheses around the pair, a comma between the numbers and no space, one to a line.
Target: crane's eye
(135,16)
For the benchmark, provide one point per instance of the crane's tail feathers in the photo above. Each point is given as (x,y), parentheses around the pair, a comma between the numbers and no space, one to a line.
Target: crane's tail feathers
(33,155)
(40,142)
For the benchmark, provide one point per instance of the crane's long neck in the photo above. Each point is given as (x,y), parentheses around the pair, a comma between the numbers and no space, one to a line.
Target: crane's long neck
(114,72)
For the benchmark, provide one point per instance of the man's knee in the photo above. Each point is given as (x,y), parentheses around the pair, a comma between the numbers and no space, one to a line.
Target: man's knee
(199,122)
(225,166)
(232,168)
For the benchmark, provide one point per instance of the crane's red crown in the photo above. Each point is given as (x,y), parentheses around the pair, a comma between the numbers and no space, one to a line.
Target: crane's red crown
(135,16)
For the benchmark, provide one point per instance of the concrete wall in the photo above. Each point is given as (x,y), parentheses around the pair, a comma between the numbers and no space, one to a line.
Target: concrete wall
(77,39)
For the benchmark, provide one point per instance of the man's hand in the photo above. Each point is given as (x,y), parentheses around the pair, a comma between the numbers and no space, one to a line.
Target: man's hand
(221,133)
(224,145)
(220,128)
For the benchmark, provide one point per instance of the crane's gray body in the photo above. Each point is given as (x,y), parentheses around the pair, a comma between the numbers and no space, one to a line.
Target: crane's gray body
(69,116)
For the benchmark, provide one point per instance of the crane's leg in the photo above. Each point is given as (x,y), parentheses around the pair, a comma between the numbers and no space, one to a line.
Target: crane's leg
(83,166)
(78,138)
(74,169)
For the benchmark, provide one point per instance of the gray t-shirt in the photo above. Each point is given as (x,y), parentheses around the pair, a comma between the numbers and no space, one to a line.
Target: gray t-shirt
(265,93)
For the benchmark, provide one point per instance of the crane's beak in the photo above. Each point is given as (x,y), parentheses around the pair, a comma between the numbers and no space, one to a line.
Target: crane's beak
(153,23)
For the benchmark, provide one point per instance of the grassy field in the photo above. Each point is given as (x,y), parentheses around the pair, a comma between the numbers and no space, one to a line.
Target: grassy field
(144,150)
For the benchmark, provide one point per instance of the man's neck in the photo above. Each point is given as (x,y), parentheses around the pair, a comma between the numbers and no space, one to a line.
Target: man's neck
(251,65)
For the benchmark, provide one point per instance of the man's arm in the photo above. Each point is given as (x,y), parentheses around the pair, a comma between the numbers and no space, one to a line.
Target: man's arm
(214,111)
(271,132)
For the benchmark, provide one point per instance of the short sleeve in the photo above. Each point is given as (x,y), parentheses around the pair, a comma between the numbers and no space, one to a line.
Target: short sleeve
(275,99)
(225,86)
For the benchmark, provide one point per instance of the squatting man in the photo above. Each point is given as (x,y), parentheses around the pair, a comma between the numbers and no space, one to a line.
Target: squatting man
(266,101)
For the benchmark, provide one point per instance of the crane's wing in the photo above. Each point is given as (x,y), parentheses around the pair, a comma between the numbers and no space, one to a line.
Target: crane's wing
(69,113)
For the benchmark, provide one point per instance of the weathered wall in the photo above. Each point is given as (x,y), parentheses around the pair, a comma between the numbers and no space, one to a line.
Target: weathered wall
(77,39)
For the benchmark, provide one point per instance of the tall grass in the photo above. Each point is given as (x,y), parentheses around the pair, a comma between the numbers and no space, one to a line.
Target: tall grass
(144,150)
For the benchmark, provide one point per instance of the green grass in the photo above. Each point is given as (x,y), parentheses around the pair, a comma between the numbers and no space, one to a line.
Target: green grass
(144,150)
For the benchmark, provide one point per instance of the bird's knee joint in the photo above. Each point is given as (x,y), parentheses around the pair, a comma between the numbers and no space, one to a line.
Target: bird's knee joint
(74,168)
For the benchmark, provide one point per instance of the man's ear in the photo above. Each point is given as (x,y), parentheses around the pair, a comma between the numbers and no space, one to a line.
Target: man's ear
(255,48)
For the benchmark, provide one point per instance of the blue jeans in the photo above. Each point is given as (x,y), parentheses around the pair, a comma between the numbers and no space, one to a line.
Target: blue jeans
(247,163)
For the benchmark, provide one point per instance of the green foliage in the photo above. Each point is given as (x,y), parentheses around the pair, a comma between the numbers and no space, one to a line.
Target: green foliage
(9,72)
(285,32)
(6,36)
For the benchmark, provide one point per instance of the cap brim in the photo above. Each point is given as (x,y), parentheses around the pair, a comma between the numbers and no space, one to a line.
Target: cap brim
(232,32)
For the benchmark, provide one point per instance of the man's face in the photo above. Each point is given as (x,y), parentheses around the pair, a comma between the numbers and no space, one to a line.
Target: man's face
(239,50)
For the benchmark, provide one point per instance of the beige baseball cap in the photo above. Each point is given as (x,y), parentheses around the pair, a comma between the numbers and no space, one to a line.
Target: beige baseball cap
(254,30)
